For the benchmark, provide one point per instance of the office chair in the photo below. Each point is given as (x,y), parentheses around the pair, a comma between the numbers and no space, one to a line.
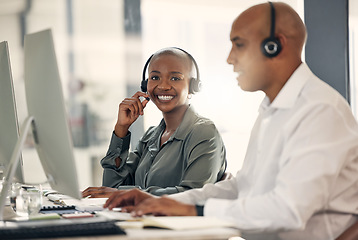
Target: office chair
(226,176)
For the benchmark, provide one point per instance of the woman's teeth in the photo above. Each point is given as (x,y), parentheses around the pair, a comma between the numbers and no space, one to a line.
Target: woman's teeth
(165,98)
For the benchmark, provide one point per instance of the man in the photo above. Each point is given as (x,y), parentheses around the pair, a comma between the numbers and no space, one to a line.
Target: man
(299,179)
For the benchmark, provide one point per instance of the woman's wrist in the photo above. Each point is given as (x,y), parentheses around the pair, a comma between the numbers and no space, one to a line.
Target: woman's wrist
(120,131)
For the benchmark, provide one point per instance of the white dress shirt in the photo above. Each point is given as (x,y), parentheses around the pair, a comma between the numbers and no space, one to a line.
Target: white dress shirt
(299,179)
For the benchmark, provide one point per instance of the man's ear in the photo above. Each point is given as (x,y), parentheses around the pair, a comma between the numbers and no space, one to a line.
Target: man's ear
(283,41)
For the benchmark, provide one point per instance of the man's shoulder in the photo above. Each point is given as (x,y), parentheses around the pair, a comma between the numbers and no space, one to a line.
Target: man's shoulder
(318,92)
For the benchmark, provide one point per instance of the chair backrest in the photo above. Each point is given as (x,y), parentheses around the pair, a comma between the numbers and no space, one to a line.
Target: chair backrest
(226,176)
(350,233)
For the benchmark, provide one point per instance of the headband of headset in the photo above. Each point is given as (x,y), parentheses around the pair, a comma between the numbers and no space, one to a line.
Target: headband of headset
(271,46)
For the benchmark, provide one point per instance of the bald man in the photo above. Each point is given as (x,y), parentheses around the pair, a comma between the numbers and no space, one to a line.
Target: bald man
(299,178)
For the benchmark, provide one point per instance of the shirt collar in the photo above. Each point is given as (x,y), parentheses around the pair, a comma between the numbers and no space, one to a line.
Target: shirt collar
(189,118)
(184,127)
(288,95)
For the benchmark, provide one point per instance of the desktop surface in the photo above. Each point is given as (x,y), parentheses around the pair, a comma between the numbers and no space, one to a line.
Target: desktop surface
(140,233)
(126,223)
(162,234)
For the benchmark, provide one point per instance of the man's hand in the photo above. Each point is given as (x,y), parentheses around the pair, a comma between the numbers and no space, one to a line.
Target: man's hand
(126,199)
(140,203)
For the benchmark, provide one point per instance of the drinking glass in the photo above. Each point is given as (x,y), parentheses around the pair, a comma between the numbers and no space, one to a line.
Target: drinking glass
(28,202)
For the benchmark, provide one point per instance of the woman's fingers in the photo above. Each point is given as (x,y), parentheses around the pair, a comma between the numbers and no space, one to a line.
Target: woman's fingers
(133,107)
(163,206)
(94,192)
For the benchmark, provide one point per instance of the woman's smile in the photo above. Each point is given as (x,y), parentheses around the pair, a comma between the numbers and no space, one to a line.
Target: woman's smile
(165,97)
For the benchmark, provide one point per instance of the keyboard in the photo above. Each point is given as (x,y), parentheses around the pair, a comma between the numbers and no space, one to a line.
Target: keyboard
(62,230)
(59,209)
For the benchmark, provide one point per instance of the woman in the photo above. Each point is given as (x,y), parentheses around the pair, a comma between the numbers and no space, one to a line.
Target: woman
(184,151)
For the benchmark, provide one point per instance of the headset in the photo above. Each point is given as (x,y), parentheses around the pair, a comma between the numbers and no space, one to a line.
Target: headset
(271,46)
(194,84)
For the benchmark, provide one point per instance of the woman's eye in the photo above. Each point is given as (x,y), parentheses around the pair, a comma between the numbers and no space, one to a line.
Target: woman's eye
(175,78)
(154,78)
(239,45)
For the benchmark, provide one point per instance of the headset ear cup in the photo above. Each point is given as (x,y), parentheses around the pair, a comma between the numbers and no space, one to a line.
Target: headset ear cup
(271,47)
(143,85)
(194,85)
(144,82)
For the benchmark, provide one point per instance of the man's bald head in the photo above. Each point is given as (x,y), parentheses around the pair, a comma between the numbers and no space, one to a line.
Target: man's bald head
(287,23)
(256,71)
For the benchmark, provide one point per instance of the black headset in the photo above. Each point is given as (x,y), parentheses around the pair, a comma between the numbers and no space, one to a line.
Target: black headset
(194,84)
(271,46)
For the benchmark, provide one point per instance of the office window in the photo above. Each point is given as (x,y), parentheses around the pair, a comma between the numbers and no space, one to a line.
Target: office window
(132,17)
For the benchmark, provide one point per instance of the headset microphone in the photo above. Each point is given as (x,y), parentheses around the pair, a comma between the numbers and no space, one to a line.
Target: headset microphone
(271,46)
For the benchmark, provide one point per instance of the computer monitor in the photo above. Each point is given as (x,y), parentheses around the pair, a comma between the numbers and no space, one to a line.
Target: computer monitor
(45,103)
(9,131)
(47,118)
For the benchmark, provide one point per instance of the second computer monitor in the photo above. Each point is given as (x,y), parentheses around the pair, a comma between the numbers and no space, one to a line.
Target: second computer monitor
(45,103)
(9,132)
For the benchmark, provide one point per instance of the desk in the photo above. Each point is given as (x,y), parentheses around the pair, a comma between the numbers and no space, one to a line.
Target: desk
(159,234)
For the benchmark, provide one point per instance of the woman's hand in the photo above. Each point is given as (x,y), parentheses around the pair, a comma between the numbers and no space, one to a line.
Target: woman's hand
(129,110)
(98,192)
(163,206)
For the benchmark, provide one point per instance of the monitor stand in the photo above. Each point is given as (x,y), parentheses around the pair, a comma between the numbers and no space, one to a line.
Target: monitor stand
(15,158)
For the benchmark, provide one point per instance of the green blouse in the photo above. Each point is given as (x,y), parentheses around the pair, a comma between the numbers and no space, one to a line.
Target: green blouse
(193,156)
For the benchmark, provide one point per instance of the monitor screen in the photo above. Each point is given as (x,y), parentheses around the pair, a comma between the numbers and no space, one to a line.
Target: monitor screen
(45,103)
(9,130)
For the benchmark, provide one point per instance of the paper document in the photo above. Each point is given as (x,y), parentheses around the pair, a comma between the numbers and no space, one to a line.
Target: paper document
(176,223)
(57,197)
(86,204)
(119,216)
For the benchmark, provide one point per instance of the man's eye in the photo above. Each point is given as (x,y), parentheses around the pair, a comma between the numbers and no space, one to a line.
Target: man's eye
(239,45)
(154,78)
